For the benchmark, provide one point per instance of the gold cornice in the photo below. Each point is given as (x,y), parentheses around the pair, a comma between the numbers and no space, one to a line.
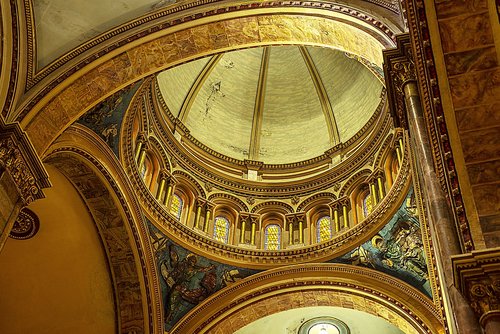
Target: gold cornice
(254,147)
(195,88)
(373,287)
(326,106)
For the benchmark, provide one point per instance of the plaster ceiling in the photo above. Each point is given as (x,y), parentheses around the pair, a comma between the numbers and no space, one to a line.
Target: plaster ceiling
(276,104)
(62,25)
(290,321)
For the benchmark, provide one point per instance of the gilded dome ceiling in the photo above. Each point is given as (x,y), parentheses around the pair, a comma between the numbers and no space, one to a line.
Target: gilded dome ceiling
(275,104)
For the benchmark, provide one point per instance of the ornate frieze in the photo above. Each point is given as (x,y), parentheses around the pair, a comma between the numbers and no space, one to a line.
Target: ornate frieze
(19,159)
(477,275)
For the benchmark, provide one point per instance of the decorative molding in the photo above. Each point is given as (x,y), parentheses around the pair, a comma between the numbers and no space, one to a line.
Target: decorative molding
(19,159)
(26,225)
(477,275)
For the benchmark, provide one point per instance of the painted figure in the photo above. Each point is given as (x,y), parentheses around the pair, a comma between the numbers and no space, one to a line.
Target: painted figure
(180,278)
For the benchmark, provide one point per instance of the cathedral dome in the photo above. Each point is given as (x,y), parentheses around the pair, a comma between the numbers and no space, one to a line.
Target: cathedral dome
(275,104)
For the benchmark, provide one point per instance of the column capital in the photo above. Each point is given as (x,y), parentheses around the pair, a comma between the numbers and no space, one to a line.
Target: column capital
(477,276)
(20,160)
(200,201)
(399,69)
(209,206)
(163,174)
(142,137)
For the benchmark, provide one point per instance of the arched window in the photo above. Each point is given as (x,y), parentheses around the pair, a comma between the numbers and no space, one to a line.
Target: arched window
(221,229)
(367,204)
(272,237)
(323,229)
(176,206)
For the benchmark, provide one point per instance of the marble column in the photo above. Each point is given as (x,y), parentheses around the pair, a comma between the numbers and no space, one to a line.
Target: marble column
(441,220)
(405,106)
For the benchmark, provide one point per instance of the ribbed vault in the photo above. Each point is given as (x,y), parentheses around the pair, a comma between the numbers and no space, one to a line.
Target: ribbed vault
(277,104)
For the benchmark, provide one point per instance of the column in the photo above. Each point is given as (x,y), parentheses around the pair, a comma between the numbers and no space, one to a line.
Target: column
(142,155)
(242,231)
(402,86)
(208,215)
(253,232)
(301,231)
(170,183)
(334,215)
(373,193)
(345,203)
(380,183)
(197,218)
(161,185)
(141,139)
(399,152)
(478,276)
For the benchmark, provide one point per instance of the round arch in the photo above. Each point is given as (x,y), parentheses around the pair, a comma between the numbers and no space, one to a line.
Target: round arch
(313,285)
(171,46)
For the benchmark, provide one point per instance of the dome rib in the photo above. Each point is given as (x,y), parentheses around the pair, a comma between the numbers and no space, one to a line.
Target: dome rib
(259,107)
(326,106)
(195,88)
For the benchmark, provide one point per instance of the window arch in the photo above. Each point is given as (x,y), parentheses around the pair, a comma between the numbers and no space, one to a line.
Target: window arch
(323,229)
(272,237)
(221,229)
(176,206)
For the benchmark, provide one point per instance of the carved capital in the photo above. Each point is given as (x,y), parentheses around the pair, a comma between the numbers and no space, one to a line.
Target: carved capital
(399,69)
(19,159)
(477,275)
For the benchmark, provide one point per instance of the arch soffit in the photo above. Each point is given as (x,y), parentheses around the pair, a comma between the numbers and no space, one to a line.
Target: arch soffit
(114,222)
(272,206)
(384,151)
(317,199)
(189,182)
(78,93)
(160,153)
(372,292)
(354,181)
(232,201)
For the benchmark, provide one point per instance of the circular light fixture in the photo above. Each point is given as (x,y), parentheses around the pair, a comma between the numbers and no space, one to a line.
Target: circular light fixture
(324,325)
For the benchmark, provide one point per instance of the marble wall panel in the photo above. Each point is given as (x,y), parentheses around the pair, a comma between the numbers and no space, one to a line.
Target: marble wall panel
(487,199)
(477,117)
(485,172)
(475,88)
(449,8)
(466,32)
(481,145)
(471,60)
